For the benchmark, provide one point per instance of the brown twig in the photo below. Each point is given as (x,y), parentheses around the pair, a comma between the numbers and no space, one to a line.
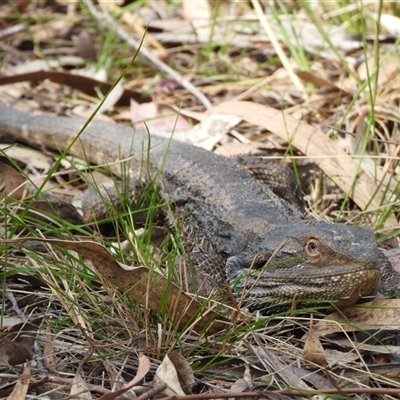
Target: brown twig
(152,392)
(287,392)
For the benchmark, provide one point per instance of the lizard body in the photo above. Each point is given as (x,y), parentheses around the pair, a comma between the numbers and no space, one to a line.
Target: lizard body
(239,218)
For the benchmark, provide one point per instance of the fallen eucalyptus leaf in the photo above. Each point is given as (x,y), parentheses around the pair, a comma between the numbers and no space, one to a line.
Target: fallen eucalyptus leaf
(148,287)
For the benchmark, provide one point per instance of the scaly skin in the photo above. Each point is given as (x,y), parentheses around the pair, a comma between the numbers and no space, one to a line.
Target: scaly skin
(229,212)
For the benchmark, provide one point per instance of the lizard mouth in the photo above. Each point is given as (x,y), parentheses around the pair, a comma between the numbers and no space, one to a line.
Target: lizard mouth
(294,286)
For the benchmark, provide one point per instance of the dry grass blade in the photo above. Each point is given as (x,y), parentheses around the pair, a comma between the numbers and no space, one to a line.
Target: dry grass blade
(277,46)
(341,168)
(276,367)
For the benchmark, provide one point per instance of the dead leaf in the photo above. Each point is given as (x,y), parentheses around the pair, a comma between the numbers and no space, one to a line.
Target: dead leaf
(36,65)
(84,84)
(338,165)
(48,352)
(381,358)
(35,282)
(386,73)
(153,116)
(334,357)
(27,156)
(244,384)
(21,388)
(12,183)
(79,389)
(390,22)
(145,286)
(184,370)
(17,347)
(143,369)
(272,363)
(394,257)
(313,350)
(9,321)
(54,205)
(22,5)
(15,352)
(306,34)
(175,371)
(195,10)
(366,347)
(241,385)
(207,133)
(317,80)
(84,45)
(375,315)
(198,13)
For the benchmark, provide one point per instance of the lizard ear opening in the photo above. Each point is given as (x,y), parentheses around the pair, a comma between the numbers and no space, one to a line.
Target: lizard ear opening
(312,250)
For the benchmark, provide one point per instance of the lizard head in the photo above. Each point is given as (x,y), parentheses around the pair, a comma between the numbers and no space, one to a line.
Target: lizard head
(298,262)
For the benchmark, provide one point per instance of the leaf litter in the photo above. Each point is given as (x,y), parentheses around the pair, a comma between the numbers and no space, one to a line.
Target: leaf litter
(96,335)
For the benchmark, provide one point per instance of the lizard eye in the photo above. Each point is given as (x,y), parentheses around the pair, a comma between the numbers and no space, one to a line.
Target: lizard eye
(312,250)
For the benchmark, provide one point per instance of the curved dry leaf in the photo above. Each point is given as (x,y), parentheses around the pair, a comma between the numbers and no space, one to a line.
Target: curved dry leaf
(14,353)
(54,205)
(244,384)
(27,156)
(390,22)
(84,84)
(157,116)
(387,72)
(309,37)
(241,385)
(313,350)
(79,389)
(147,287)
(12,183)
(338,165)
(143,369)
(84,45)
(184,370)
(375,315)
(21,388)
(17,347)
(207,133)
(175,371)
(319,81)
(347,343)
